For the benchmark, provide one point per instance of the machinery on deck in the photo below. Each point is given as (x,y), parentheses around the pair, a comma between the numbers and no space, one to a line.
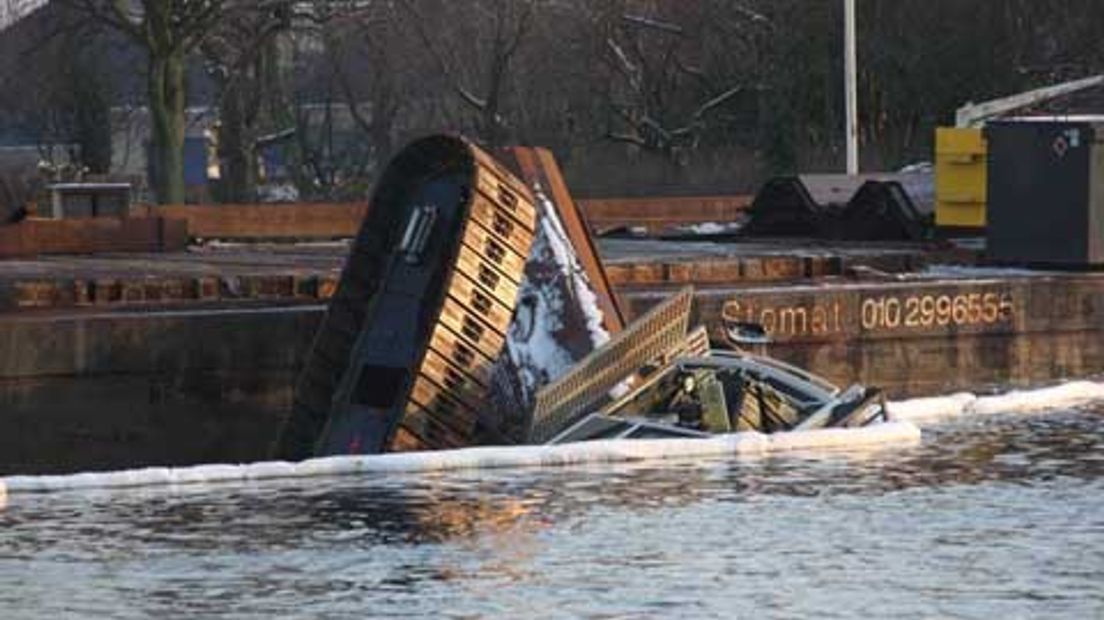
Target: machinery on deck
(974,115)
(961,153)
(655,380)
(840,207)
(728,391)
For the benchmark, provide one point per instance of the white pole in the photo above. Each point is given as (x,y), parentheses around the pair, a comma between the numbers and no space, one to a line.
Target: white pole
(851,86)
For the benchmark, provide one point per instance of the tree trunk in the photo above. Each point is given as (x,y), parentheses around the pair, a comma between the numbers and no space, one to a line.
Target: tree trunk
(166,104)
(93,129)
(239,162)
(381,139)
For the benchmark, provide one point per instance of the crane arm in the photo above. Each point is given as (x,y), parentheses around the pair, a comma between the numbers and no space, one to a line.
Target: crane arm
(975,114)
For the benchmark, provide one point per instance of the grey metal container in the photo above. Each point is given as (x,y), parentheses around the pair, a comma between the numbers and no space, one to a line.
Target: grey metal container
(1046,191)
(72,200)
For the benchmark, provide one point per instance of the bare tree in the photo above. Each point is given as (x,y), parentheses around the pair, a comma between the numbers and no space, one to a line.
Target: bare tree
(474,46)
(369,66)
(54,92)
(754,81)
(662,93)
(370,55)
(241,56)
(168,31)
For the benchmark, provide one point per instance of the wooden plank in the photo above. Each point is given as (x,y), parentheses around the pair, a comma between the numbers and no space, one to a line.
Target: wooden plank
(35,237)
(581,390)
(266,221)
(661,213)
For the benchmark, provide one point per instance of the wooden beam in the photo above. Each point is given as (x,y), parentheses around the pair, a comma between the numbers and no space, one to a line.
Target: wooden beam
(267,221)
(34,237)
(661,213)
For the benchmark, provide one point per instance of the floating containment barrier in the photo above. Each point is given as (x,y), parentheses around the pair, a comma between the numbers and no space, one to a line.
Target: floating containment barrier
(940,408)
(590,452)
(901,430)
(931,409)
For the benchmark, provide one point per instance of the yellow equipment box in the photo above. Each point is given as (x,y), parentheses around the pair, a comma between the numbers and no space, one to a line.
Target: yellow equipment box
(960,177)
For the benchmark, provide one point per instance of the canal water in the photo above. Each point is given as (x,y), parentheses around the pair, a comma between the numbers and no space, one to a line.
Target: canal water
(994,517)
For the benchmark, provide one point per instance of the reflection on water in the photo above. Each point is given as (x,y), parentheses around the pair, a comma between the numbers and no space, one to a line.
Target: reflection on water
(987,517)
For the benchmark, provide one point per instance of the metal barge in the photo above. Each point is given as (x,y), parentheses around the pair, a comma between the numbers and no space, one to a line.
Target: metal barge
(198,364)
(126,359)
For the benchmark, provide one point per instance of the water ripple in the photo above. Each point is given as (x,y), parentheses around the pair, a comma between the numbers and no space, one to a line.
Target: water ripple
(996,517)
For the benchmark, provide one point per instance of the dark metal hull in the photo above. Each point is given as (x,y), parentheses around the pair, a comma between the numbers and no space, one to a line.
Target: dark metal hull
(421,310)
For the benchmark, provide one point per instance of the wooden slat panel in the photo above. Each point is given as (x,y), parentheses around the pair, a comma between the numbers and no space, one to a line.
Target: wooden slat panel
(471,359)
(581,390)
(480,271)
(510,195)
(480,303)
(421,430)
(456,381)
(497,219)
(407,441)
(442,406)
(471,330)
(506,260)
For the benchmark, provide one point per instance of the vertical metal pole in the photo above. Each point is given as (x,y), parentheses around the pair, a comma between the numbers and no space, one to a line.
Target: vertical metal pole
(851,86)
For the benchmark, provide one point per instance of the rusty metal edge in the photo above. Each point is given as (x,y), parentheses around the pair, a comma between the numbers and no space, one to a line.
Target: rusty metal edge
(538,167)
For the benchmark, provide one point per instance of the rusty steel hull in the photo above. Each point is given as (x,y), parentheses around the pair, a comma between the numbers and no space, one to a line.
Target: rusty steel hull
(95,375)
(920,336)
(110,387)
(97,390)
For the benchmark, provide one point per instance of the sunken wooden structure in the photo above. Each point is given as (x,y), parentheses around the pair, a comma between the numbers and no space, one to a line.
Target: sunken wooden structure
(402,358)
